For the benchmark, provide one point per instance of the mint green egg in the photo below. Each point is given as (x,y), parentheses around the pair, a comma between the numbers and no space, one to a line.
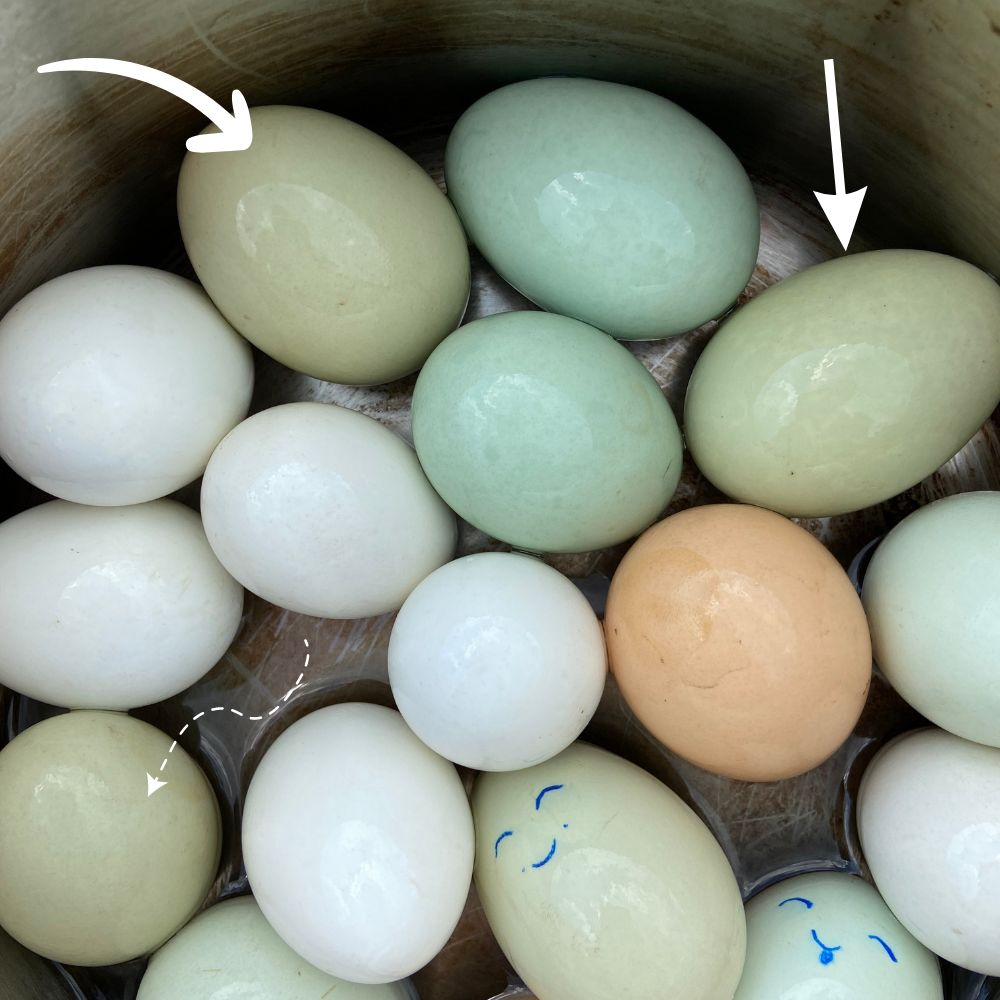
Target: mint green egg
(545,433)
(847,383)
(606,203)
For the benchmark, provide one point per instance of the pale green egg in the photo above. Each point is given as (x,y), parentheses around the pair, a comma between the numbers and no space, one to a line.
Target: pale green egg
(847,383)
(600,883)
(93,869)
(545,433)
(230,952)
(606,203)
(325,246)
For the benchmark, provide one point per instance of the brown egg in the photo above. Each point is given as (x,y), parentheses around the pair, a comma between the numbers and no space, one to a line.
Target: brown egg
(739,641)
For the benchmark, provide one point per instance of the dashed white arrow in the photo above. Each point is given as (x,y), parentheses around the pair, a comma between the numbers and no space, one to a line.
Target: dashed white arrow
(235,131)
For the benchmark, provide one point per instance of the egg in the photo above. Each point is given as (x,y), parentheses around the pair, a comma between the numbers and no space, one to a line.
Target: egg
(323,511)
(929,822)
(932,595)
(739,642)
(598,882)
(358,843)
(830,935)
(111,607)
(606,203)
(837,388)
(230,952)
(94,870)
(325,246)
(497,661)
(545,433)
(116,383)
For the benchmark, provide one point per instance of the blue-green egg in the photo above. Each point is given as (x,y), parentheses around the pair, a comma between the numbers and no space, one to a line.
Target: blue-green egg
(606,203)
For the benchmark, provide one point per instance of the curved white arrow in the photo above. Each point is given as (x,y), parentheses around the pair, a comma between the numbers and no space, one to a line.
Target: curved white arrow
(841,207)
(235,131)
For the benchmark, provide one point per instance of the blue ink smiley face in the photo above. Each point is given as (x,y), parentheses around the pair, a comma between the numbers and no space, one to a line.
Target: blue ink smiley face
(827,952)
(552,848)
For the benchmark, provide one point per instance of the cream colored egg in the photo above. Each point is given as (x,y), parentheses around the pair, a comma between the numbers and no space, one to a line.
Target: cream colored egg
(325,246)
(599,882)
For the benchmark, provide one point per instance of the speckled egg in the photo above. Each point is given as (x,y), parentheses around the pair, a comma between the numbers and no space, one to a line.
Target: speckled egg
(606,203)
(847,383)
(545,433)
(326,246)
(739,641)
(599,882)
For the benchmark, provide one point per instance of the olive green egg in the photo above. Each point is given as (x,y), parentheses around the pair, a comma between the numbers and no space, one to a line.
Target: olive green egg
(847,383)
(606,203)
(325,246)
(93,869)
(545,433)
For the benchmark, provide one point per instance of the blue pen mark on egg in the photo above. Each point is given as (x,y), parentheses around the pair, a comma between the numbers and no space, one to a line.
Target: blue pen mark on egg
(547,858)
(545,791)
(797,899)
(888,950)
(496,846)
(826,955)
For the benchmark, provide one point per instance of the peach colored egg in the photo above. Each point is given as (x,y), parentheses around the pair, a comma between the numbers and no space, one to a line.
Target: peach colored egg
(739,641)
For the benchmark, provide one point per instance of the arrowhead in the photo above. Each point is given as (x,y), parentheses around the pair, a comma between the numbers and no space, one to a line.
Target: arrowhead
(153,785)
(236,131)
(842,211)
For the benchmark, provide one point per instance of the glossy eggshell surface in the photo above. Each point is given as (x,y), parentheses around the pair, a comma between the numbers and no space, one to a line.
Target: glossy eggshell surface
(739,641)
(497,661)
(93,870)
(929,820)
(323,510)
(606,203)
(932,594)
(829,936)
(545,433)
(847,383)
(111,607)
(325,246)
(230,952)
(598,882)
(116,383)
(358,843)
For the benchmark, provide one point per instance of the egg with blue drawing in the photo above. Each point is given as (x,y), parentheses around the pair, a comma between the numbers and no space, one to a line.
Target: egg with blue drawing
(830,936)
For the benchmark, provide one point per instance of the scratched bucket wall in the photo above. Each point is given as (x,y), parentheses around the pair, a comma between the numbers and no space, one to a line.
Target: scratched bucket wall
(88,167)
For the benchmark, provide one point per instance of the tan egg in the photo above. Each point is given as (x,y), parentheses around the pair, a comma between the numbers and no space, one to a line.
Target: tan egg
(739,641)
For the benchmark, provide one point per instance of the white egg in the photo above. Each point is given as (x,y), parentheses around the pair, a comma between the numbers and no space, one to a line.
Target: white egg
(929,820)
(116,383)
(230,952)
(324,511)
(358,843)
(111,607)
(932,596)
(830,935)
(497,661)
(601,884)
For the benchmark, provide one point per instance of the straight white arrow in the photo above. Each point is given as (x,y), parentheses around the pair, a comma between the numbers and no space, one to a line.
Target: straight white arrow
(841,207)
(235,133)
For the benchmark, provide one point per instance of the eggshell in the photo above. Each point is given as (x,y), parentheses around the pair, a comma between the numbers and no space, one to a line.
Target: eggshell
(116,383)
(324,511)
(326,246)
(545,433)
(111,607)
(95,871)
(932,595)
(606,203)
(929,820)
(739,641)
(839,388)
(230,952)
(830,935)
(358,843)
(599,882)
(497,661)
